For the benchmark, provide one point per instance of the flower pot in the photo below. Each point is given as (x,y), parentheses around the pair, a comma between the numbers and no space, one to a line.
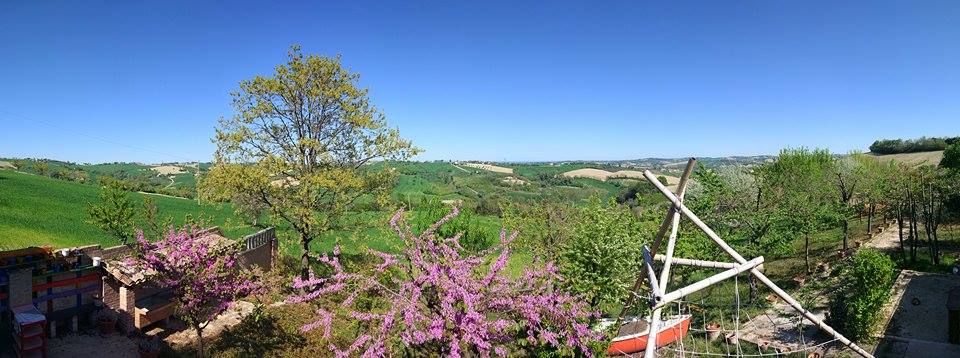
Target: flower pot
(713,331)
(732,338)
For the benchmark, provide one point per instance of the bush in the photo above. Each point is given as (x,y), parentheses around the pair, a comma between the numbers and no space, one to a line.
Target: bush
(599,259)
(951,157)
(488,205)
(855,311)
(474,236)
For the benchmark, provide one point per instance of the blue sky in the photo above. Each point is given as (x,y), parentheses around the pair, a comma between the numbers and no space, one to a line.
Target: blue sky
(98,81)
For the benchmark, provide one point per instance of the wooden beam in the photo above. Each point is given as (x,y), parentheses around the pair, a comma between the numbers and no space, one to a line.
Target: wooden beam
(699,285)
(755,272)
(665,270)
(681,188)
(701,263)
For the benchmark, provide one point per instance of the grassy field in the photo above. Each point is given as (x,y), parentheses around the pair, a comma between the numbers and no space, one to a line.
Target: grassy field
(913,159)
(36,210)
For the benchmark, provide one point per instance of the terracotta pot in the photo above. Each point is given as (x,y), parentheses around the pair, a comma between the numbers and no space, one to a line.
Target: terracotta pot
(713,331)
(107,327)
(145,354)
(732,338)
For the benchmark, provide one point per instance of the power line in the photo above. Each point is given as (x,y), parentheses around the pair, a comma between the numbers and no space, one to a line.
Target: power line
(94,137)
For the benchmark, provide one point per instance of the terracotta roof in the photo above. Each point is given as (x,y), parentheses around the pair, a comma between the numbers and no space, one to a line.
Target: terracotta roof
(131,276)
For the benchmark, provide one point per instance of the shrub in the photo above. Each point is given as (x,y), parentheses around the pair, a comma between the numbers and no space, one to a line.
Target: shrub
(951,157)
(599,260)
(443,301)
(474,236)
(855,310)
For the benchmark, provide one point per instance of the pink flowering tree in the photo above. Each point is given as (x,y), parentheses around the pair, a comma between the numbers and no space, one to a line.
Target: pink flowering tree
(444,301)
(203,272)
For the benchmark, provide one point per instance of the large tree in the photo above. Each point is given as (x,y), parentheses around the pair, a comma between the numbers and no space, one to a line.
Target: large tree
(800,183)
(300,144)
(848,176)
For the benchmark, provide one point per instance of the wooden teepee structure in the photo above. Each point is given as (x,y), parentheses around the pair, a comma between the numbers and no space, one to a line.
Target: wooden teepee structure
(661,298)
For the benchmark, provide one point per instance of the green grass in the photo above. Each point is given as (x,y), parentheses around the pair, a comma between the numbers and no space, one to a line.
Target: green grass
(36,210)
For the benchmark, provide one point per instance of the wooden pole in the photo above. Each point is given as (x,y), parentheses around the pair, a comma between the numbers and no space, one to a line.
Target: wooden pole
(681,187)
(648,266)
(699,285)
(700,263)
(657,289)
(665,270)
(755,272)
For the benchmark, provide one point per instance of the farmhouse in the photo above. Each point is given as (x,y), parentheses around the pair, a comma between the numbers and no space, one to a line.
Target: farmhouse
(45,291)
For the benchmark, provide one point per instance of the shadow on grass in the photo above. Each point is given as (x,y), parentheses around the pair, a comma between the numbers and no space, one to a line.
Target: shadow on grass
(258,334)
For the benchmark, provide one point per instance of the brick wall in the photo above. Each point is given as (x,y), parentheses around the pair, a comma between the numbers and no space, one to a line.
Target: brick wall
(113,252)
(111,293)
(128,299)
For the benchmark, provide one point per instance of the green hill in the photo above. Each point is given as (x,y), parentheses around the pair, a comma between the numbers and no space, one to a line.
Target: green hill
(37,210)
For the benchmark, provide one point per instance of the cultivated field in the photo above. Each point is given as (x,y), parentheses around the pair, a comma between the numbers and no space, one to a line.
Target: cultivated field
(603,175)
(913,159)
(489,167)
(165,170)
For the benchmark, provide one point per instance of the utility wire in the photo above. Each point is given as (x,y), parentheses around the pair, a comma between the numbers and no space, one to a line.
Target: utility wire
(94,137)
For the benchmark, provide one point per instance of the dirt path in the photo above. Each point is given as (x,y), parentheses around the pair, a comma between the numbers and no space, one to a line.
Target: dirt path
(458,167)
(888,238)
(158,194)
(779,327)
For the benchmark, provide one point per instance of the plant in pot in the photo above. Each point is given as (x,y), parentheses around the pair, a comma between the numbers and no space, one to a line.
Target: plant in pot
(106,321)
(149,347)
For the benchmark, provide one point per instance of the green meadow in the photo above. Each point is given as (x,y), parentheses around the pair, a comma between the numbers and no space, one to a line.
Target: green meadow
(37,210)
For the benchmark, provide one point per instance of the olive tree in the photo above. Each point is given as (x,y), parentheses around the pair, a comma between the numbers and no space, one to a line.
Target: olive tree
(799,181)
(301,143)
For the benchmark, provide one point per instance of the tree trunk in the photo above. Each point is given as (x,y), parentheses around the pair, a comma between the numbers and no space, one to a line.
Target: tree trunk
(913,231)
(846,228)
(305,257)
(199,341)
(903,252)
(806,249)
(870,212)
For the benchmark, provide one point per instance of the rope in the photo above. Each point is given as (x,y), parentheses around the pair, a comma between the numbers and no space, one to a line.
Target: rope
(758,354)
(736,327)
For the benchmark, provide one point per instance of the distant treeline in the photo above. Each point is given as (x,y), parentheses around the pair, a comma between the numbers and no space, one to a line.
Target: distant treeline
(922,144)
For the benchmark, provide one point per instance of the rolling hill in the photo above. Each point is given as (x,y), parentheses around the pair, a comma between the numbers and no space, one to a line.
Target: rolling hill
(37,210)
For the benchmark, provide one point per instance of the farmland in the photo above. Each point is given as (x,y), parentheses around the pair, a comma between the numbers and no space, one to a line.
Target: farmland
(36,210)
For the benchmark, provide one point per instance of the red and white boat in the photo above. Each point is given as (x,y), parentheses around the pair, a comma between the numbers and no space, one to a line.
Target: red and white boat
(632,336)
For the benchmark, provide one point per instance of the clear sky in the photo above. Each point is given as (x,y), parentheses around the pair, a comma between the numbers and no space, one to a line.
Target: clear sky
(94,81)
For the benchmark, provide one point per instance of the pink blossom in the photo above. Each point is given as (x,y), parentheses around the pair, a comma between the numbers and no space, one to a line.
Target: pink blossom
(454,300)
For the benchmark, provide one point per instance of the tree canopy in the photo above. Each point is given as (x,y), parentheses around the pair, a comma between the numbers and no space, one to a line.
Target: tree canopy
(301,144)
